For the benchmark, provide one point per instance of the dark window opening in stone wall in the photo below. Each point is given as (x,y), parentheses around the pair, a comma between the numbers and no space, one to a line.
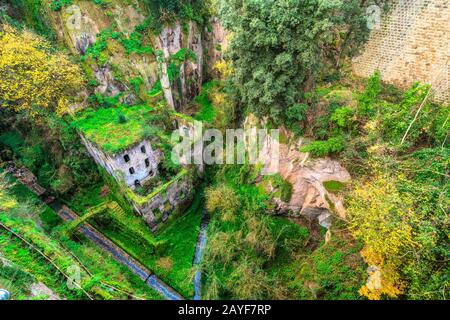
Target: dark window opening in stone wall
(147,162)
(126,158)
(131,170)
(143,149)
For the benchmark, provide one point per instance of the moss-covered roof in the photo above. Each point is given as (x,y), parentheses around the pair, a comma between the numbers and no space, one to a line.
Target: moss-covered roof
(116,129)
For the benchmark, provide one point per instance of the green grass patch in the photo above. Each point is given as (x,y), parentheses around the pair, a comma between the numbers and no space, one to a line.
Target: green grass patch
(207,112)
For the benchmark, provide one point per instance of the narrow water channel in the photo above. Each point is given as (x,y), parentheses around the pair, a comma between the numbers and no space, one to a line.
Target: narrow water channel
(198,255)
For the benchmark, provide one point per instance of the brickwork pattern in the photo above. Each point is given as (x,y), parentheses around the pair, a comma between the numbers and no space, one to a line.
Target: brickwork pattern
(411,44)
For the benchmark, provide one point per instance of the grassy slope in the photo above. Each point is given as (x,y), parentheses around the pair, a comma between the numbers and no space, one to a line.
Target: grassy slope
(172,261)
(99,263)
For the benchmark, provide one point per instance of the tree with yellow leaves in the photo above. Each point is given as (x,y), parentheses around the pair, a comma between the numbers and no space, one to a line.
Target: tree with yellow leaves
(223,68)
(382,218)
(31,75)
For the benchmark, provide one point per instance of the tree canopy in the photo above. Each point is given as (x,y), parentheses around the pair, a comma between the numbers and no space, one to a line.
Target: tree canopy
(279,46)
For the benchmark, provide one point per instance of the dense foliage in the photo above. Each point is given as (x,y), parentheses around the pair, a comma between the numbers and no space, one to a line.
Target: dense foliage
(278,47)
(163,12)
(253,255)
(31,76)
(286,63)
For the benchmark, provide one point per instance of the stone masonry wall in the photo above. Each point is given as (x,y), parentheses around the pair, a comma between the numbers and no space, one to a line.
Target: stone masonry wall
(119,168)
(411,44)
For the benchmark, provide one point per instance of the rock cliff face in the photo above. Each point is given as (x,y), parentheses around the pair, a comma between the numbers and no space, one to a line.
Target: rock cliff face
(411,44)
(309,196)
(80,27)
(307,177)
(187,81)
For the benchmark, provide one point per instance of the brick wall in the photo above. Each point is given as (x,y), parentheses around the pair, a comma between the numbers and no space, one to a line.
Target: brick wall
(411,44)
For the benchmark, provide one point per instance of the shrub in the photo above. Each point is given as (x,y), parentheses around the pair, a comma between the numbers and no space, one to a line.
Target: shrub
(324,148)
(57,5)
(367,99)
(342,117)
(222,199)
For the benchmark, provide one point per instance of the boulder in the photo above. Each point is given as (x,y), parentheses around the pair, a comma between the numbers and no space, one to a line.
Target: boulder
(81,29)
(307,175)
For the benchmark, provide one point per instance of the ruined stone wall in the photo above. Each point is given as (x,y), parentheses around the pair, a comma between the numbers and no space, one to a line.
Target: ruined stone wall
(156,209)
(412,43)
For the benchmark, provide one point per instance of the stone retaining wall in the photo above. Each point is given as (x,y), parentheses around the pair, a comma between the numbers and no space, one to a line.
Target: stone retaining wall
(411,44)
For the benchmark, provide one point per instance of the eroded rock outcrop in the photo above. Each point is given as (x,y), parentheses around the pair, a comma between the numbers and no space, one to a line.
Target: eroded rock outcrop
(307,176)
(216,43)
(186,84)
(309,196)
